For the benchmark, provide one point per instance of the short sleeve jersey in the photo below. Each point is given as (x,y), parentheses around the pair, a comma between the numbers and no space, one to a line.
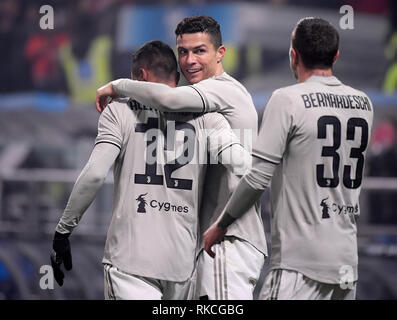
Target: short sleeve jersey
(318,133)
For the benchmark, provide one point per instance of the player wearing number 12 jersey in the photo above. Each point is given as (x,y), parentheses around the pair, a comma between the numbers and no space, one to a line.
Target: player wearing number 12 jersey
(235,272)
(159,168)
(312,143)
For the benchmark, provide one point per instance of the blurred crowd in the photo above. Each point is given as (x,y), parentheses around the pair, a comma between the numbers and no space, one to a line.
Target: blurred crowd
(79,51)
(36,59)
(382,162)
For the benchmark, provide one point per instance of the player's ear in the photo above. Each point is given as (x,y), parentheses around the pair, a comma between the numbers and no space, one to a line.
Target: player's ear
(336,56)
(143,75)
(177,78)
(293,56)
(220,53)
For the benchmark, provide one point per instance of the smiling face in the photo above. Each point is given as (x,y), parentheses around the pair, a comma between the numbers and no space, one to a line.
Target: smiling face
(197,56)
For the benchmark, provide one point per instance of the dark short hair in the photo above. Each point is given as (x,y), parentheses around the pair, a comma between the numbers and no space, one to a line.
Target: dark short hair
(157,57)
(201,24)
(317,42)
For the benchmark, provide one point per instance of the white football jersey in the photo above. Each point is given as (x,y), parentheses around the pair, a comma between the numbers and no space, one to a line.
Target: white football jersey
(158,181)
(318,133)
(226,95)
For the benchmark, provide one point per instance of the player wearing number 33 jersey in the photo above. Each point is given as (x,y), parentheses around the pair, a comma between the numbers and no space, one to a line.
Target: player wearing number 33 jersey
(322,129)
(311,144)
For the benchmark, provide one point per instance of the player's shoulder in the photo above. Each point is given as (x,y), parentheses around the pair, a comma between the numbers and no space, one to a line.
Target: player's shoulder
(349,90)
(287,93)
(116,111)
(291,89)
(118,107)
(292,92)
(120,103)
(355,90)
(232,82)
(226,81)
(285,99)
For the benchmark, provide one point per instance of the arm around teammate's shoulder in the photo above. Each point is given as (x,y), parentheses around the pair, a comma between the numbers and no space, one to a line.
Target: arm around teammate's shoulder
(160,96)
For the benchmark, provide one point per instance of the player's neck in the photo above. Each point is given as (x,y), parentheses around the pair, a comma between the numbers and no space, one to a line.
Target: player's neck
(305,74)
(219,69)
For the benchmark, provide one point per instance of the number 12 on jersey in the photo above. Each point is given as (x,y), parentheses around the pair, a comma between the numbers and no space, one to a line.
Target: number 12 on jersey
(150,176)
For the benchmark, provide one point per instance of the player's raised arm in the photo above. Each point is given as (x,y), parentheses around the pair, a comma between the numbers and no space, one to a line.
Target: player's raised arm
(161,96)
(154,86)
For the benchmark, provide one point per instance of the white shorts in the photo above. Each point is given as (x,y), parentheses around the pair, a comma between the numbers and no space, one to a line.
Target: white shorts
(232,274)
(120,285)
(282,284)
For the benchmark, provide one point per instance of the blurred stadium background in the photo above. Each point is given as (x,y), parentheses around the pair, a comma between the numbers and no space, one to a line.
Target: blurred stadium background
(48,121)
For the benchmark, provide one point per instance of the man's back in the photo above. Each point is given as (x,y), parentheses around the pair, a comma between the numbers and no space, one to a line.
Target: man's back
(323,129)
(159,177)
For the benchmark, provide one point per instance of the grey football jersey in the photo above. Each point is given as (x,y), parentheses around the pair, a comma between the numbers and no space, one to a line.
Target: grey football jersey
(226,95)
(153,230)
(318,132)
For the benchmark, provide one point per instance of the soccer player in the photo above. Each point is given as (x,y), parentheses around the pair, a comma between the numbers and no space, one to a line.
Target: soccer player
(233,275)
(159,168)
(312,141)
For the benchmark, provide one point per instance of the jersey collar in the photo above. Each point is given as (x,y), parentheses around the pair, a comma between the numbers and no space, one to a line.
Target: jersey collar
(329,81)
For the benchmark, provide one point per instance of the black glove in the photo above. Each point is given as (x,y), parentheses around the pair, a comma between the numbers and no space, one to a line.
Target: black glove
(61,254)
